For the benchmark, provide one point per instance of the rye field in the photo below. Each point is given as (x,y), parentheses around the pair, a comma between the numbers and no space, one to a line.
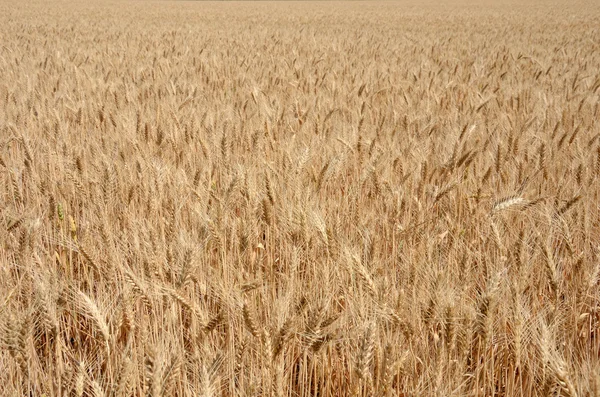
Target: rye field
(300,198)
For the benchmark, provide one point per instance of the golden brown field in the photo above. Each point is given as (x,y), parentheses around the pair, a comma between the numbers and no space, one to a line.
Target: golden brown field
(299,199)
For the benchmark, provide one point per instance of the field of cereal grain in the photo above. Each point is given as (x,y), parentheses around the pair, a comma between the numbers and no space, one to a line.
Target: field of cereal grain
(300,198)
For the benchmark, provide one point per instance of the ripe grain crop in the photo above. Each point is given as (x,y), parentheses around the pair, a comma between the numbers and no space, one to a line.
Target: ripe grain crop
(299,199)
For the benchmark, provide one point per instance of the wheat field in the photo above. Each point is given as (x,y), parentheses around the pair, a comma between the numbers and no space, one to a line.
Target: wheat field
(300,198)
